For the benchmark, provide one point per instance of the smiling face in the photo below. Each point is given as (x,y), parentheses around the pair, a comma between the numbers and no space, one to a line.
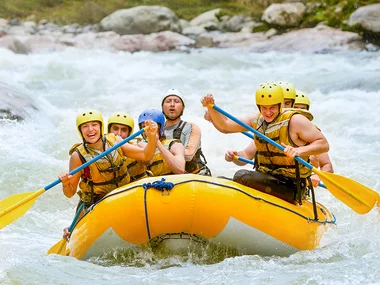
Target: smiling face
(172,107)
(270,112)
(91,131)
(120,130)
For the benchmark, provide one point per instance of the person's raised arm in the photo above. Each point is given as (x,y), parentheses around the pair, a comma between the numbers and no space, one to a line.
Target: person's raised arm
(147,152)
(221,122)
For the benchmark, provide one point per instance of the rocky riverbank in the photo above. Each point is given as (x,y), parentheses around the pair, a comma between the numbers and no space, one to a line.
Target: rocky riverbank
(157,28)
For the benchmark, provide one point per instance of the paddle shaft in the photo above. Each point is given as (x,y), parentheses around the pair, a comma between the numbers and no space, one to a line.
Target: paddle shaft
(355,195)
(60,247)
(248,135)
(272,142)
(84,165)
(253,163)
(76,217)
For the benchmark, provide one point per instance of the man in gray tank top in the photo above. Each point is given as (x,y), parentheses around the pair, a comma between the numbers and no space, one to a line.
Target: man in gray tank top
(189,133)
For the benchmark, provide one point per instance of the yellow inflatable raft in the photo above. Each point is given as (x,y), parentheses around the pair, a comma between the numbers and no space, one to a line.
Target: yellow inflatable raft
(197,208)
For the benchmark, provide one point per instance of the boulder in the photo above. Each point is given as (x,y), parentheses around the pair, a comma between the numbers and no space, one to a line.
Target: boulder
(284,15)
(204,40)
(319,39)
(14,43)
(206,18)
(164,41)
(368,17)
(141,20)
(14,104)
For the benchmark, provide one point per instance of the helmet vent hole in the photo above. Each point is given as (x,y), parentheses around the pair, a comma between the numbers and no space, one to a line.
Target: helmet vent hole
(90,113)
(262,96)
(270,96)
(287,89)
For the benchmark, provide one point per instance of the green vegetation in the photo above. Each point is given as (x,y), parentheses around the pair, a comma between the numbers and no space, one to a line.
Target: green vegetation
(92,11)
(334,13)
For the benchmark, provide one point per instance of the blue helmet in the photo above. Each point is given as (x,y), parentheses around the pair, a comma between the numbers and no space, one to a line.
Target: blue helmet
(154,115)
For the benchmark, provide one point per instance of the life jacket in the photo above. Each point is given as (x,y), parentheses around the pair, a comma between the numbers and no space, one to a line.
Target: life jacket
(159,166)
(272,160)
(137,170)
(304,112)
(104,175)
(198,162)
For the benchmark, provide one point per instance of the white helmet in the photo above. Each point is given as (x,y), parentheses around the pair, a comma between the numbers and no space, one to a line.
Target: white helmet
(173,92)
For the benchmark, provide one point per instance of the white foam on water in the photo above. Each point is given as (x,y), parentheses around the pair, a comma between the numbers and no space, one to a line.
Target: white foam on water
(344,89)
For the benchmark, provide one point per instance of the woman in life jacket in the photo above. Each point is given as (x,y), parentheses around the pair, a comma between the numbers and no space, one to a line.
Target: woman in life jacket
(122,124)
(110,171)
(169,157)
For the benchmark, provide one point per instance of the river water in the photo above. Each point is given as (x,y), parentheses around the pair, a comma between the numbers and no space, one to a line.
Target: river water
(344,89)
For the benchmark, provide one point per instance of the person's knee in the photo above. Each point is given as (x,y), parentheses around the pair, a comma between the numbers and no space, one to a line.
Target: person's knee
(240,175)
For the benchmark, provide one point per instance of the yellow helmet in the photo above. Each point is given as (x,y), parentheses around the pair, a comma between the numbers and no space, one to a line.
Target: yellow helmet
(302,98)
(121,118)
(269,93)
(288,90)
(90,116)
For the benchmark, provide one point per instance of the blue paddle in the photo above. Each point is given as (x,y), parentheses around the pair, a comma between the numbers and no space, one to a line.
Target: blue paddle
(60,247)
(13,207)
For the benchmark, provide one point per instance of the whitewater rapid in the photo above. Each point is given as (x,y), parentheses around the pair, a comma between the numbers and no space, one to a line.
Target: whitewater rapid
(344,89)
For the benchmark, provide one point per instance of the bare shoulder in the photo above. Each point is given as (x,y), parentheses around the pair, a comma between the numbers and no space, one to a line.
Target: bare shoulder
(194,127)
(74,157)
(299,120)
(75,160)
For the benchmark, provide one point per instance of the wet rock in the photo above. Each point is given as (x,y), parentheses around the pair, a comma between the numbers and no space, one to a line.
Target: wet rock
(141,20)
(226,40)
(3,22)
(318,39)
(184,24)
(204,40)
(166,40)
(14,104)
(284,15)
(206,17)
(368,17)
(193,31)
(14,44)
(234,24)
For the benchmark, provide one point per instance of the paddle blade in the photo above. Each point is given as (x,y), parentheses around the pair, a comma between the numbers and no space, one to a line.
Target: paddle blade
(15,206)
(58,248)
(355,195)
